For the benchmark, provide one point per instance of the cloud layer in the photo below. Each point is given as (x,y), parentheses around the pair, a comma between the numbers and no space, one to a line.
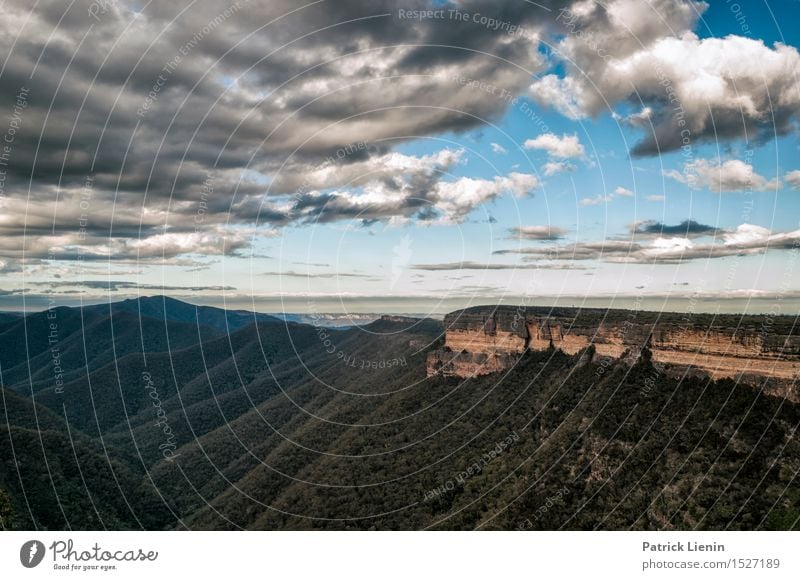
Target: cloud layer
(722,176)
(564,147)
(198,129)
(667,246)
(678,89)
(165,134)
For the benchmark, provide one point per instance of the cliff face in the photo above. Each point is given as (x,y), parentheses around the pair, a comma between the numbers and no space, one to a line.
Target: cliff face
(485,340)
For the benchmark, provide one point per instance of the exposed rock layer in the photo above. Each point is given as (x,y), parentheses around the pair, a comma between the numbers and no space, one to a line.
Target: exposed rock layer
(485,340)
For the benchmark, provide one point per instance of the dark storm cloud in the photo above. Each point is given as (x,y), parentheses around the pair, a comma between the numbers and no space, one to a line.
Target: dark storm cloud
(545,233)
(117,78)
(166,108)
(687,228)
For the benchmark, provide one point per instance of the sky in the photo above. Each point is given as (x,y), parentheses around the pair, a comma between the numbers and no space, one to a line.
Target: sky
(401,157)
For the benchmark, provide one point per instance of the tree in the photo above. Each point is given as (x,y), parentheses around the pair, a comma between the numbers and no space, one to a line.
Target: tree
(6,511)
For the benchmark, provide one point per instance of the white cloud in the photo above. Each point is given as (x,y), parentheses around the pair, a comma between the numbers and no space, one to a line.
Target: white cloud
(624,50)
(641,119)
(438,201)
(746,239)
(458,198)
(601,199)
(793,179)
(563,147)
(596,200)
(565,95)
(731,175)
(373,169)
(499,149)
(674,174)
(394,188)
(746,234)
(555,167)
(667,246)
(655,198)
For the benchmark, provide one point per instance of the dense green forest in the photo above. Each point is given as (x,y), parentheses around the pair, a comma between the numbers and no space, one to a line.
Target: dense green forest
(169,421)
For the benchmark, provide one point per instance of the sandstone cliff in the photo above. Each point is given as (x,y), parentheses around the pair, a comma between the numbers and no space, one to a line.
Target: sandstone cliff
(483,340)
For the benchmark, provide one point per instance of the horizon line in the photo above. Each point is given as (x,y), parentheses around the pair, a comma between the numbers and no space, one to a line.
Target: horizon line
(420,306)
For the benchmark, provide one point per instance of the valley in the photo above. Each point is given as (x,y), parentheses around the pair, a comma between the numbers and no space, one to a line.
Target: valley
(187,418)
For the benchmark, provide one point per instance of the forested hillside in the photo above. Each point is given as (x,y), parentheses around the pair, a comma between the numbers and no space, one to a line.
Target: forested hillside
(277,425)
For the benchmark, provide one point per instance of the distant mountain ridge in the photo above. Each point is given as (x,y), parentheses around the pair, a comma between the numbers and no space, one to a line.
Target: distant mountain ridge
(166,308)
(58,344)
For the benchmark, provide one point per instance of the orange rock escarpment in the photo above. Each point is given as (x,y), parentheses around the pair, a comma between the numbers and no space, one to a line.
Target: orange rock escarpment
(485,340)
